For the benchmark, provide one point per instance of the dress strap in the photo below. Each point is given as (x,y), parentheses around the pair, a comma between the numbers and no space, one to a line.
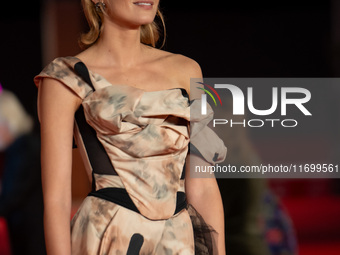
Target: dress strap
(83,72)
(99,160)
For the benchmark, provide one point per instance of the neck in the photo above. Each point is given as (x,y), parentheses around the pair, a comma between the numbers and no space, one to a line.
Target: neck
(119,46)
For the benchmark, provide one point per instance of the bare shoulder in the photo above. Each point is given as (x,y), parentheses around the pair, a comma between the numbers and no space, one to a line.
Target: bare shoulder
(186,69)
(187,65)
(56,92)
(179,63)
(181,68)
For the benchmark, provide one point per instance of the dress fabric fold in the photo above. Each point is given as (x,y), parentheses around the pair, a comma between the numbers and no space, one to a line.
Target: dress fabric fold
(145,135)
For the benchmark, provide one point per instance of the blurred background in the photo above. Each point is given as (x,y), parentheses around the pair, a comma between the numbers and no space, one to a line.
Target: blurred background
(228,39)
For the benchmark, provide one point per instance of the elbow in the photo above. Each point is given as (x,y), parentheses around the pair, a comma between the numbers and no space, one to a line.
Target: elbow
(203,190)
(57,202)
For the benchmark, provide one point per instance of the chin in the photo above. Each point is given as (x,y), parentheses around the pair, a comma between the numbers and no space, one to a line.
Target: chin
(146,20)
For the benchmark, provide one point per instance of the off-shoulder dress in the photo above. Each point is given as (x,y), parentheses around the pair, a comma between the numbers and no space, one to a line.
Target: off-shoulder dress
(134,144)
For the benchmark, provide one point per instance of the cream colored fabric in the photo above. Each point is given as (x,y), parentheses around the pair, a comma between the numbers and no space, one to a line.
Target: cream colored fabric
(146,136)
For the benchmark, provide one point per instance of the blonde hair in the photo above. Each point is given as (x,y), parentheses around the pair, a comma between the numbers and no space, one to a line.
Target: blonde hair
(13,114)
(149,33)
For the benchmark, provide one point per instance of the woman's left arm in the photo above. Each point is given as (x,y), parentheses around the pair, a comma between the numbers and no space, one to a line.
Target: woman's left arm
(204,195)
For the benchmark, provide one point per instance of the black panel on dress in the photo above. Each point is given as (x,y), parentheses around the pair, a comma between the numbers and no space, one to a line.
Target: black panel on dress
(135,244)
(185,93)
(99,160)
(121,197)
(83,72)
(183,172)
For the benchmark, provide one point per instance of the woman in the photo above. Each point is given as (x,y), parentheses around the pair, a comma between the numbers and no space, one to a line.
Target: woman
(132,130)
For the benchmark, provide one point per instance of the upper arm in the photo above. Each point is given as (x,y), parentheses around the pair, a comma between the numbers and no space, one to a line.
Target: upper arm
(56,107)
(192,73)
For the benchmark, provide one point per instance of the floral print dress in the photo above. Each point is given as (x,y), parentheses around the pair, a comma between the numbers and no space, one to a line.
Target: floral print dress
(134,144)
